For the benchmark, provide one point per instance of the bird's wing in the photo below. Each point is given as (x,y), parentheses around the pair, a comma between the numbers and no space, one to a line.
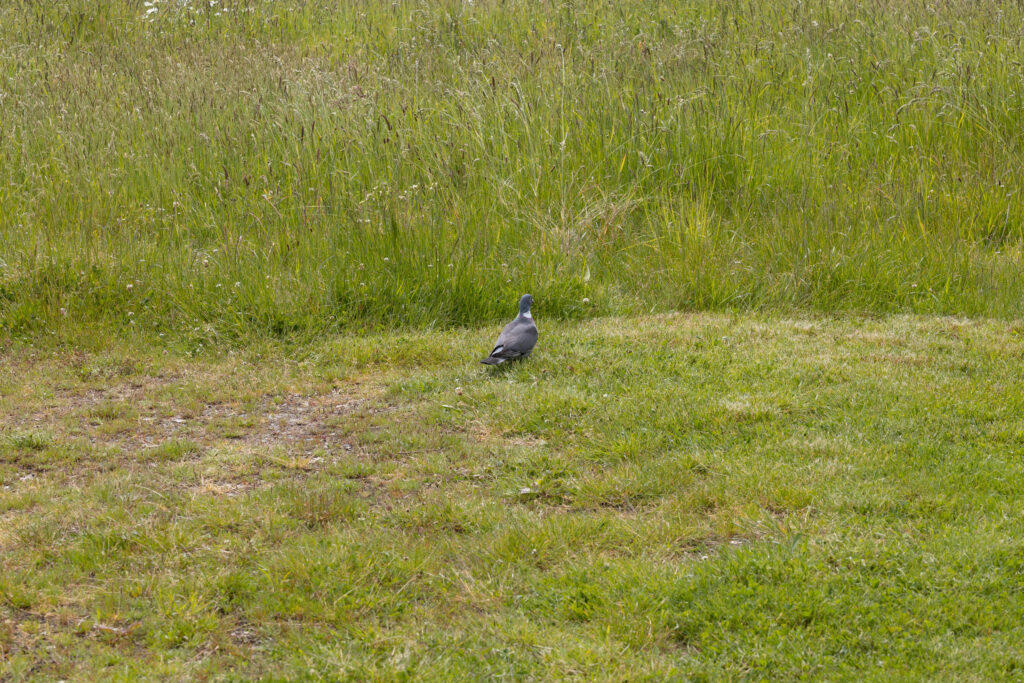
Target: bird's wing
(517,339)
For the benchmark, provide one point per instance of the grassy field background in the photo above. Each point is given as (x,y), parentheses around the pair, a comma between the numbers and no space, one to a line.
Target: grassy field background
(292,167)
(250,252)
(709,497)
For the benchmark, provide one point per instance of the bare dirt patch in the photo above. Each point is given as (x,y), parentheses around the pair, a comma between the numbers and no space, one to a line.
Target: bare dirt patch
(57,424)
(305,421)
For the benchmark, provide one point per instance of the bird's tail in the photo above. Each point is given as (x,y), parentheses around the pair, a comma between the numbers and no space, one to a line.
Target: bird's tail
(491,360)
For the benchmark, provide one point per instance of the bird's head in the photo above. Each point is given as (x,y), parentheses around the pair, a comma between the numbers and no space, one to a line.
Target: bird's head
(524,304)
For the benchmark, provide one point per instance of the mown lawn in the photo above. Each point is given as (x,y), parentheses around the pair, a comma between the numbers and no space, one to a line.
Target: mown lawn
(705,496)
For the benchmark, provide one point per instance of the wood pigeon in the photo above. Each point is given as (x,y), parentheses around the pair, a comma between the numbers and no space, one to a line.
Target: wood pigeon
(517,339)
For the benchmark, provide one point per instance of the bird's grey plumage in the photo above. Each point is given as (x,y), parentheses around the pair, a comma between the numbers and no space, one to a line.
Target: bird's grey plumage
(517,339)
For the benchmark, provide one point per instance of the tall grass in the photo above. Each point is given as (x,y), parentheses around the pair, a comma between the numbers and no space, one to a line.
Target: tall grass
(303,165)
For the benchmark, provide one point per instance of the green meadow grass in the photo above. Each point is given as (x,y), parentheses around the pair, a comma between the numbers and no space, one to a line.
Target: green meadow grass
(706,497)
(298,166)
(293,218)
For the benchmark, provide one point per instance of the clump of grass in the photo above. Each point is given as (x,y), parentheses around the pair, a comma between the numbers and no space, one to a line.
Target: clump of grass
(284,168)
(28,441)
(174,450)
(110,410)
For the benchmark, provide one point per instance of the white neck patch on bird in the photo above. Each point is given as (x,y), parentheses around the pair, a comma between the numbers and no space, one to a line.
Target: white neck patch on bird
(527,315)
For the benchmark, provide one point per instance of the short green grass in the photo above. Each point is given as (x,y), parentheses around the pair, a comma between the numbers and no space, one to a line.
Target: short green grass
(287,167)
(706,496)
